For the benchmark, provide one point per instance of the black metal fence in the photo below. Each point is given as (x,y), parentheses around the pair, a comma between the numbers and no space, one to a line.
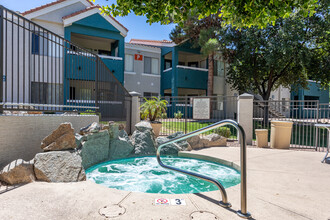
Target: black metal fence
(41,71)
(303,113)
(180,114)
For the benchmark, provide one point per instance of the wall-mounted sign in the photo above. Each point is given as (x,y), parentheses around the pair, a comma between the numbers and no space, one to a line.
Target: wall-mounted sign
(201,108)
(138,57)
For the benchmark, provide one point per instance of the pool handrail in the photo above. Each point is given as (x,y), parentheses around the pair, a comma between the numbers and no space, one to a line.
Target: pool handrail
(242,139)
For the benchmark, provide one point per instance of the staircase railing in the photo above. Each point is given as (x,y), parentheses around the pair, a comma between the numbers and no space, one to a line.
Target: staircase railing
(242,139)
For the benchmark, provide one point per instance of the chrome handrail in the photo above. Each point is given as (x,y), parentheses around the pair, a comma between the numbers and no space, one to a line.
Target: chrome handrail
(224,202)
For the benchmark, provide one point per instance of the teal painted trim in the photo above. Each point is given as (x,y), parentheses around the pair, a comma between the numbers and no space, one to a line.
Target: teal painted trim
(174,80)
(117,66)
(195,79)
(97,21)
(314,89)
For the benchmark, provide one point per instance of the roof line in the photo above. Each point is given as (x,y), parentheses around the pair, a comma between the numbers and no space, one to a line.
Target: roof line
(90,8)
(46,6)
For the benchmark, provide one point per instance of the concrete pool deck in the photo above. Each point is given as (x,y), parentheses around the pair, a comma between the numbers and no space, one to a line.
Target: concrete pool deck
(282,184)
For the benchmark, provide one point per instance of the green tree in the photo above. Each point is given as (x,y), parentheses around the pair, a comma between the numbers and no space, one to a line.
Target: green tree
(286,53)
(241,13)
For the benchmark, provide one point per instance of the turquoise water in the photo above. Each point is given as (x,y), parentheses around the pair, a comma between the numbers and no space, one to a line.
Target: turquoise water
(144,174)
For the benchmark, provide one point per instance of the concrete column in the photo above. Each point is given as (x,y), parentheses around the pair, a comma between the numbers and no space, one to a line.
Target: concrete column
(245,115)
(135,115)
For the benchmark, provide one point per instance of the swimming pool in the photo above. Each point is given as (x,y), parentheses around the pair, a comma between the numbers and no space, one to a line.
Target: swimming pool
(144,174)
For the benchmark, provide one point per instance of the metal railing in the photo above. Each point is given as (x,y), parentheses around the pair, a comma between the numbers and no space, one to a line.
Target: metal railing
(224,202)
(42,71)
(179,114)
(304,114)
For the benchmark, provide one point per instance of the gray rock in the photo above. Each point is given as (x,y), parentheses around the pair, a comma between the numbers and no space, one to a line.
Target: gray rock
(60,139)
(113,130)
(18,171)
(214,140)
(143,126)
(79,139)
(172,149)
(95,149)
(195,142)
(91,128)
(120,148)
(59,166)
(144,142)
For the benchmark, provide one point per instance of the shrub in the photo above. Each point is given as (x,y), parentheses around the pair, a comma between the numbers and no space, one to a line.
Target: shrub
(178,115)
(223,131)
(163,115)
(153,108)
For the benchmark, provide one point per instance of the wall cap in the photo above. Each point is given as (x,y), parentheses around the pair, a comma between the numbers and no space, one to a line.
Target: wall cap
(133,93)
(246,96)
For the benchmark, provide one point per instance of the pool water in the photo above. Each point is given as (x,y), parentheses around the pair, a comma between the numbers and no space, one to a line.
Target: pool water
(144,174)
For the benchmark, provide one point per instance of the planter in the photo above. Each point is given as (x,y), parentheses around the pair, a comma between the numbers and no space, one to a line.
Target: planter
(156,126)
(262,137)
(280,134)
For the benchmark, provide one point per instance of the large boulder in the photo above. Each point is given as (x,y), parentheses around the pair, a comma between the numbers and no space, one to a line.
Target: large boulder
(121,146)
(214,140)
(60,139)
(143,139)
(95,148)
(91,128)
(143,126)
(18,171)
(59,166)
(173,149)
(195,142)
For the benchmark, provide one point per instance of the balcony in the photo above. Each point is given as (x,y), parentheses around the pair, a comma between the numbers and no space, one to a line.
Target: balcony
(192,77)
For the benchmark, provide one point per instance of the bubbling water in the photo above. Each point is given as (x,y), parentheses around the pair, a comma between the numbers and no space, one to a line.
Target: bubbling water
(144,174)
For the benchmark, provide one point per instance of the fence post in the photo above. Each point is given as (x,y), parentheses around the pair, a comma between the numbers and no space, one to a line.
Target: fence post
(245,115)
(1,60)
(185,113)
(135,117)
(97,84)
(316,128)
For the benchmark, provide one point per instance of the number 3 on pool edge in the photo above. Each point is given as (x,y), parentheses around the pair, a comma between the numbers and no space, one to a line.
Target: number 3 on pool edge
(178,201)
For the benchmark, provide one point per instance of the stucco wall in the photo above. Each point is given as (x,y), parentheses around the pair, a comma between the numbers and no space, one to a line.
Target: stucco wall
(137,80)
(20,136)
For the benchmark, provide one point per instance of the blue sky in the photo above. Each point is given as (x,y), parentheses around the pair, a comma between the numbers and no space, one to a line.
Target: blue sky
(137,26)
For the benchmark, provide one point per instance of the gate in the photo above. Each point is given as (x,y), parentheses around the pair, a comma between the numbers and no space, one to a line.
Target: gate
(303,113)
(180,114)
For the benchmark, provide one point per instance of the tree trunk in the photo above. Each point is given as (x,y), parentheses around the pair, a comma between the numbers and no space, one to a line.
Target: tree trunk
(266,109)
(210,75)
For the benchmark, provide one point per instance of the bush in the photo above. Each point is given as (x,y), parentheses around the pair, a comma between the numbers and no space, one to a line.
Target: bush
(163,115)
(178,115)
(223,131)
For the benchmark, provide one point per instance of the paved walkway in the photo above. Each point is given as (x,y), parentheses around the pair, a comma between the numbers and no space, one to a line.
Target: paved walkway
(282,184)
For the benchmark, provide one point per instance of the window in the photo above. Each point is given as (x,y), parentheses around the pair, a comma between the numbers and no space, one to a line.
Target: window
(39,43)
(129,63)
(203,64)
(193,64)
(181,63)
(46,93)
(150,94)
(311,101)
(151,65)
(167,64)
(220,68)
